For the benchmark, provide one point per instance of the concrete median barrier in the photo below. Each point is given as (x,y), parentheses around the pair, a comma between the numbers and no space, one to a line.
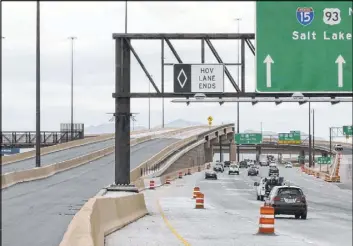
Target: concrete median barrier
(101,216)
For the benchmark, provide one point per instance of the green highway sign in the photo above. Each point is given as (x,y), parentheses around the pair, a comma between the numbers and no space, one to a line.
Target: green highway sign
(304,46)
(248,138)
(348,130)
(323,160)
(289,138)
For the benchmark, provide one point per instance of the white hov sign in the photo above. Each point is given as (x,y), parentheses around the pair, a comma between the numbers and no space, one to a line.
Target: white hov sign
(199,78)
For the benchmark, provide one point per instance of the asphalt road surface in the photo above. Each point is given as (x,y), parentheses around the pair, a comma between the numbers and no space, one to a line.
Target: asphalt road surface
(231,214)
(59,156)
(38,212)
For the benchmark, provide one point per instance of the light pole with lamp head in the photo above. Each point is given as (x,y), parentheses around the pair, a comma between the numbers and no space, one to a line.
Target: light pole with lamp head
(238,59)
(72,86)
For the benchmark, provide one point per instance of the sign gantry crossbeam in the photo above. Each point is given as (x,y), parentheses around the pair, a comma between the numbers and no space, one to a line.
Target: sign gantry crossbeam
(205,38)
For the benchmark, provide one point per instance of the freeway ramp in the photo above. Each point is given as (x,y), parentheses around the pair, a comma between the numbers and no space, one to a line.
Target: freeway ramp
(71,153)
(41,210)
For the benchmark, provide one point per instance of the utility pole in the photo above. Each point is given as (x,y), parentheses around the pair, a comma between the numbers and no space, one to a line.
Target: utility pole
(72,86)
(38,135)
(238,110)
(310,156)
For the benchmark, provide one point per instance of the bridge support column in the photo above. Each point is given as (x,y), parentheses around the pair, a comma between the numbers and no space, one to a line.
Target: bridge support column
(208,153)
(302,161)
(258,153)
(232,152)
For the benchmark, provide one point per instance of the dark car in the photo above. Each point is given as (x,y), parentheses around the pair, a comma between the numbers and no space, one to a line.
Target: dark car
(218,168)
(226,163)
(289,200)
(273,171)
(252,171)
(243,164)
(210,174)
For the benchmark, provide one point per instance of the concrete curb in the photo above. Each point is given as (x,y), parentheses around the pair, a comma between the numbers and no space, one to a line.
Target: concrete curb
(101,216)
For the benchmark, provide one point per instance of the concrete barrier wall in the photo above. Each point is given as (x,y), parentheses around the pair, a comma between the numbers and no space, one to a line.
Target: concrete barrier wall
(193,157)
(101,216)
(136,172)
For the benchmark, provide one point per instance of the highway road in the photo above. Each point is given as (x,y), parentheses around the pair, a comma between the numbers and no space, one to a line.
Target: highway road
(71,153)
(231,215)
(38,212)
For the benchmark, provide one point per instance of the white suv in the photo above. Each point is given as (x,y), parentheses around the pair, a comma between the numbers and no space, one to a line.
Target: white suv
(233,168)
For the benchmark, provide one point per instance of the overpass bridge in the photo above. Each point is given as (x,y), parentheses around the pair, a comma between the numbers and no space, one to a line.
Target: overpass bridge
(59,194)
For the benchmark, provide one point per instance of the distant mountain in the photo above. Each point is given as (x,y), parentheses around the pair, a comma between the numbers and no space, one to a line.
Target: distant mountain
(180,123)
(106,128)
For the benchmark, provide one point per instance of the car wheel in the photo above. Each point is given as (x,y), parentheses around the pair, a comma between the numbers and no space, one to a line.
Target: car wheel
(261,198)
(297,216)
(228,173)
(258,197)
(304,215)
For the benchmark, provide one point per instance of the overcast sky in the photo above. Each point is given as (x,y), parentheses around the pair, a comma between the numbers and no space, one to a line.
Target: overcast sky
(93,24)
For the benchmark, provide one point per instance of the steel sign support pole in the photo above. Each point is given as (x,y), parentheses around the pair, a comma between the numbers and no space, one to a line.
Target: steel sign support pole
(122,112)
(38,136)
(202,50)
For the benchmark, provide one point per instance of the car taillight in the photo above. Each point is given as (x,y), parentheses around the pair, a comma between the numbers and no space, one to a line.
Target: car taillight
(276,198)
(301,199)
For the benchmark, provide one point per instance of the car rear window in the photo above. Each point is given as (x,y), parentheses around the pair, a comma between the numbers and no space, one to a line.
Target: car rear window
(233,166)
(284,192)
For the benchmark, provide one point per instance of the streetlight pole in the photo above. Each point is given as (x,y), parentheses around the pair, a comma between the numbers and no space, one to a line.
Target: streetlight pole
(149,106)
(310,156)
(261,127)
(72,86)
(1,100)
(238,110)
(38,135)
(125,16)
(314,137)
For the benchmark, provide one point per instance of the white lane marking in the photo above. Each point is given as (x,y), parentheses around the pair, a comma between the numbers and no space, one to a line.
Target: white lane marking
(239,189)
